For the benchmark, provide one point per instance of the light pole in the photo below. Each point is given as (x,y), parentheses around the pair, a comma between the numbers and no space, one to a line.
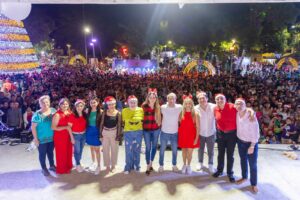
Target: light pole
(93,46)
(69,49)
(86,31)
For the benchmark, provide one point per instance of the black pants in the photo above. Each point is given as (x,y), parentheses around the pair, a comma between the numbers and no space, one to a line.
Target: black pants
(226,143)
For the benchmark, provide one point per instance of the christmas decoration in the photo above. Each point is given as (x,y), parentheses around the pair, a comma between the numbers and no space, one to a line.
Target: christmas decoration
(16,51)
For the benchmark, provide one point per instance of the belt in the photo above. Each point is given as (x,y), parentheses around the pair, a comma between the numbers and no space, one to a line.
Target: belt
(227,131)
(79,132)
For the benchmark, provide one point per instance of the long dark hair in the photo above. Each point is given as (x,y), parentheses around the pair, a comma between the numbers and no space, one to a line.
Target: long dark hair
(84,114)
(89,106)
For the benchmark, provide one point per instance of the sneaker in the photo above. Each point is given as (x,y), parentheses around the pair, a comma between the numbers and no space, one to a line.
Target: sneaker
(231,178)
(79,169)
(189,170)
(200,167)
(161,169)
(183,170)
(52,168)
(211,169)
(45,172)
(113,170)
(97,171)
(241,181)
(126,172)
(92,167)
(217,174)
(174,168)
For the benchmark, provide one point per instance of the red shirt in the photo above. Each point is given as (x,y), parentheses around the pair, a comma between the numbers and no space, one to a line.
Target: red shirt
(78,123)
(226,118)
(149,123)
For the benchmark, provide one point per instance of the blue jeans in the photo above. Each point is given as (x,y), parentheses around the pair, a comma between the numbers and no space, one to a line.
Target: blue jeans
(164,138)
(251,158)
(151,140)
(46,149)
(133,143)
(78,147)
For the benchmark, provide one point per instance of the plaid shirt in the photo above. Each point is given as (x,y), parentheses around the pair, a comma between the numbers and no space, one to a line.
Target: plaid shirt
(149,123)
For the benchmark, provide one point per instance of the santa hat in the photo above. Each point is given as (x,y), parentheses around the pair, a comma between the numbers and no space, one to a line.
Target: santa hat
(109,100)
(241,100)
(152,90)
(131,98)
(78,101)
(220,95)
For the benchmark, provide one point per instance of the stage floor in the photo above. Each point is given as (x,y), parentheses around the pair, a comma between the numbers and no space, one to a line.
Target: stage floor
(21,178)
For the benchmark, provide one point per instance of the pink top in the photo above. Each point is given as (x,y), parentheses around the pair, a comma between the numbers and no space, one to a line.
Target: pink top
(247,130)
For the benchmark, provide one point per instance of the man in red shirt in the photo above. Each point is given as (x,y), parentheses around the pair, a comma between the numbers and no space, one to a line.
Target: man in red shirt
(225,115)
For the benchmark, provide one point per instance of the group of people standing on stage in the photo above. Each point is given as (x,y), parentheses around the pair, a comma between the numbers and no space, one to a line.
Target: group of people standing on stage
(185,126)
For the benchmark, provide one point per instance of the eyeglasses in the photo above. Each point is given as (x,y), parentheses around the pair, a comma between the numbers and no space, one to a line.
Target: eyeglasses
(134,123)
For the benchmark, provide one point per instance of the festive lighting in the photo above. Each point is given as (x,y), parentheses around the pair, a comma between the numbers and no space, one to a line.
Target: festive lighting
(15,45)
(16,30)
(9,22)
(94,40)
(16,50)
(14,37)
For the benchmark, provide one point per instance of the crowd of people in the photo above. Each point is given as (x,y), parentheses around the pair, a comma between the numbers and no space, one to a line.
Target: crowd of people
(108,106)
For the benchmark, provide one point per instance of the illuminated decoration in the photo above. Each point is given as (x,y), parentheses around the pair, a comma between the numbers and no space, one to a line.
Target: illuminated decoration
(124,51)
(134,66)
(288,60)
(194,64)
(77,57)
(16,51)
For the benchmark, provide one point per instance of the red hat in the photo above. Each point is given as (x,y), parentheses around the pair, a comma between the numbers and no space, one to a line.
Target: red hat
(109,100)
(152,90)
(240,100)
(187,96)
(78,101)
(219,95)
(131,98)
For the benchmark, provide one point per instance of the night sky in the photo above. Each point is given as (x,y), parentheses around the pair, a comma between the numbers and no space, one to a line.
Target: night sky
(194,24)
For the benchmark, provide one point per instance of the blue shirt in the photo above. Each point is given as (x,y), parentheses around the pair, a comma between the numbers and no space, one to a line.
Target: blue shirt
(43,128)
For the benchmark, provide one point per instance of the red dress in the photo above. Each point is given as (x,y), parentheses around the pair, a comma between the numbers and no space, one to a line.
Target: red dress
(187,132)
(63,146)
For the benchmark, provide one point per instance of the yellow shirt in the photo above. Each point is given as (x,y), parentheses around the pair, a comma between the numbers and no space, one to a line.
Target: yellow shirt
(133,119)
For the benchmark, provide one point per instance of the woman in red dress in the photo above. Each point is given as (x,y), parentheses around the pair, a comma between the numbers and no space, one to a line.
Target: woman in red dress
(188,137)
(63,138)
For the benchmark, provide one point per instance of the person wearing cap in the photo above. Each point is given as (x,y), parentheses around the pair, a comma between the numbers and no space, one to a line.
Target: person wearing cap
(78,122)
(225,115)
(110,133)
(151,126)
(188,137)
(94,113)
(132,118)
(207,130)
(248,135)
(43,134)
(169,130)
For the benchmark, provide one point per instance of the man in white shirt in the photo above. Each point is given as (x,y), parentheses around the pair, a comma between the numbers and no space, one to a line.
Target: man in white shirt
(169,130)
(207,130)
(248,135)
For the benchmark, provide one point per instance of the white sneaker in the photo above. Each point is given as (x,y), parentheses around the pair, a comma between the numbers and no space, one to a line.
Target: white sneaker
(161,169)
(92,167)
(79,169)
(97,171)
(189,170)
(126,172)
(183,170)
(211,169)
(200,167)
(174,168)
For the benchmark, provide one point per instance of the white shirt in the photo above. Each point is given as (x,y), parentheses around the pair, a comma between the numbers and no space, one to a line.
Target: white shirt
(247,130)
(170,118)
(207,120)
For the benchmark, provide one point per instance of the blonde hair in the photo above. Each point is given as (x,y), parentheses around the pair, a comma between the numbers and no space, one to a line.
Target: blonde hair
(193,112)
(171,95)
(156,108)
(42,98)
